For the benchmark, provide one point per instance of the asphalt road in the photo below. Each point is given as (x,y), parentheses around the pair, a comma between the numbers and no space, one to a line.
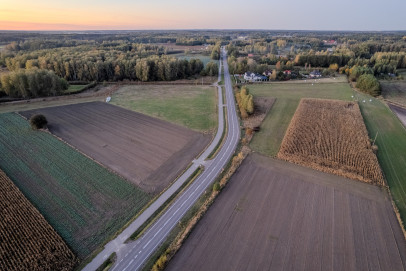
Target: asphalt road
(133,255)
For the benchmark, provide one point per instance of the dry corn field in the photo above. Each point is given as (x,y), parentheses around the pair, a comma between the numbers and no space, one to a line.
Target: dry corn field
(330,136)
(28,242)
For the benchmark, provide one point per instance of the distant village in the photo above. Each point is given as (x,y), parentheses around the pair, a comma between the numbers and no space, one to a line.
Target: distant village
(267,76)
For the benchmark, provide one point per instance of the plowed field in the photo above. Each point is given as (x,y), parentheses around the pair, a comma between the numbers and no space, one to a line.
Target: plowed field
(28,242)
(147,151)
(275,215)
(331,136)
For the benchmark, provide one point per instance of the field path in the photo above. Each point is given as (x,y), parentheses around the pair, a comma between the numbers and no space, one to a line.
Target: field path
(133,255)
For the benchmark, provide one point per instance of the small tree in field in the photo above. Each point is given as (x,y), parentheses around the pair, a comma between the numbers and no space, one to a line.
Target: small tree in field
(38,121)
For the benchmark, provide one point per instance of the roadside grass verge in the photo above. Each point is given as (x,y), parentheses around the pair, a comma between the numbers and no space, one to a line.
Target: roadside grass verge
(190,106)
(391,141)
(108,263)
(268,140)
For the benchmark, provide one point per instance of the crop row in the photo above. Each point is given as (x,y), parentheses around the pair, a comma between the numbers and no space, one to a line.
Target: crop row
(28,242)
(331,136)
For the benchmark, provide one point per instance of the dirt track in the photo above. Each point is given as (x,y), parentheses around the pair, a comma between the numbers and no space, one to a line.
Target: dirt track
(278,216)
(147,151)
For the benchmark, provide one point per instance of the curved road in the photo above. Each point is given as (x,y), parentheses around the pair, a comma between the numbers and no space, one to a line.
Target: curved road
(134,254)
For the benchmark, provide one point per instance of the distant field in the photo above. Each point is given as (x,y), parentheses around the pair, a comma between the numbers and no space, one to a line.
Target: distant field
(273,215)
(74,88)
(394,91)
(28,242)
(391,140)
(288,95)
(190,106)
(40,103)
(330,136)
(174,47)
(400,113)
(84,202)
(204,58)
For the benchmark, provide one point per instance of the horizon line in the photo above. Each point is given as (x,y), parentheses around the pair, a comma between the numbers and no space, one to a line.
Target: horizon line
(194,29)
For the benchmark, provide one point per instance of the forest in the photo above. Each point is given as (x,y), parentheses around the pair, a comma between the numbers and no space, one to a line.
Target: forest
(100,56)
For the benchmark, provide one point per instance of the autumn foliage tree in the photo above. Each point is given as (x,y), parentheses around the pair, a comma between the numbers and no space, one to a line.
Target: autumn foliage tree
(369,84)
(245,102)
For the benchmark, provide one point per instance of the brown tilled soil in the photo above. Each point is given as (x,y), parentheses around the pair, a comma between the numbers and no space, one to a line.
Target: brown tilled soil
(147,151)
(274,215)
(400,112)
(28,242)
(330,136)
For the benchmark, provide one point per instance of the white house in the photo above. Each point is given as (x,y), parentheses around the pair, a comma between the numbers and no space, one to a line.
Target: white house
(250,76)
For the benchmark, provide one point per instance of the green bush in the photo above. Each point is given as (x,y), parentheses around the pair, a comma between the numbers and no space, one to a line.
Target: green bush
(38,121)
(216,186)
(369,84)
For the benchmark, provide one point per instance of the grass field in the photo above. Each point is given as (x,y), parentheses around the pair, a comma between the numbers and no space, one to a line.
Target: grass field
(288,95)
(74,88)
(190,106)
(394,91)
(84,202)
(402,72)
(391,140)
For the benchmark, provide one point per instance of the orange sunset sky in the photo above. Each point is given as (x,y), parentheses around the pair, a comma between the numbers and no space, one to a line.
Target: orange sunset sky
(209,14)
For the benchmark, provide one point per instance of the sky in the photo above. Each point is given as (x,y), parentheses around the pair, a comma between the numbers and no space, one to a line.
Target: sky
(363,15)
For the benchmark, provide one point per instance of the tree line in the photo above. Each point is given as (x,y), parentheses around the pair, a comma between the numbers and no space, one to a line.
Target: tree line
(32,83)
(141,62)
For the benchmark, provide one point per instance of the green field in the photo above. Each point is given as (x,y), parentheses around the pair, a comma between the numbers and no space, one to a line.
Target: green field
(74,88)
(204,58)
(288,95)
(394,91)
(191,106)
(84,202)
(391,141)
